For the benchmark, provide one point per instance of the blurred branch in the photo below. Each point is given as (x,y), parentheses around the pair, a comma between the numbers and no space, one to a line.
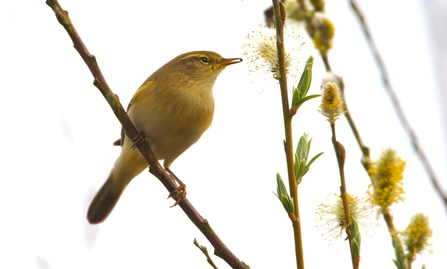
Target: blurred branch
(398,108)
(155,168)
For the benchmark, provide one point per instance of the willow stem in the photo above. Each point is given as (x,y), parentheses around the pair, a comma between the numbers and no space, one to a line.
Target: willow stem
(288,142)
(341,155)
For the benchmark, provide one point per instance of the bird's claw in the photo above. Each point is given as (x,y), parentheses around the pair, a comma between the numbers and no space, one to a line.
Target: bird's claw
(140,136)
(182,190)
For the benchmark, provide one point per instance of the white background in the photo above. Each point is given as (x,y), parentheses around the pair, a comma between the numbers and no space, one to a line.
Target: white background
(57,133)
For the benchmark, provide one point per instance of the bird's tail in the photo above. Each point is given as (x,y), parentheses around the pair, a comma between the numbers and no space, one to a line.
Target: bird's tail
(129,164)
(104,201)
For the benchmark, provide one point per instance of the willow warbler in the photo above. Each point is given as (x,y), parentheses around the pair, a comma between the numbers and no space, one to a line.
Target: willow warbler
(172,108)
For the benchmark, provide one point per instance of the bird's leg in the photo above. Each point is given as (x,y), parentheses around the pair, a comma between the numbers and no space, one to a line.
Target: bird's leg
(181,188)
(140,136)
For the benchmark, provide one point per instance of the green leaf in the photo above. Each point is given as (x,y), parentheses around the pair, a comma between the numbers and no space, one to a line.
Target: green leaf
(296,98)
(301,155)
(300,92)
(355,248)
(301,166)
(311,161)
(400,261)
(296,166)
(355,232)
(303,147)
(355,238)
(308,98)
(306,77)
(283,195)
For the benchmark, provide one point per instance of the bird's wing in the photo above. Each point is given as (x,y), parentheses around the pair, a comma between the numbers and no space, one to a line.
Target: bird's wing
(148,83)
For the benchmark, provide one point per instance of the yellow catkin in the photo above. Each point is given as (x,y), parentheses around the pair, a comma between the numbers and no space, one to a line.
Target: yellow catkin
(331,104)
(387,174)
(417,234)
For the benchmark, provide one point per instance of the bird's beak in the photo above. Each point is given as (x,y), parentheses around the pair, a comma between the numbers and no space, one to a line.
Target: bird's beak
(230,61)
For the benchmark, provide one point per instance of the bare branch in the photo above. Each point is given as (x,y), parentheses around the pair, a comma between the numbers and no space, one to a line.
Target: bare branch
(205,252)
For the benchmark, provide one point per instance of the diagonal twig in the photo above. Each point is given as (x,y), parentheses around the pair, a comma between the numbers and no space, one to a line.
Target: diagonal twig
(205,252)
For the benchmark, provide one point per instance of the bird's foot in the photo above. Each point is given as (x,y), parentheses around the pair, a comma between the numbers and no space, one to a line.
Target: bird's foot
(179,193)
(181,188)
(140,136)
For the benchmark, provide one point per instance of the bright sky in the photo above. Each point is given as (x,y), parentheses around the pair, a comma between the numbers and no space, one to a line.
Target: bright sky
(58,133)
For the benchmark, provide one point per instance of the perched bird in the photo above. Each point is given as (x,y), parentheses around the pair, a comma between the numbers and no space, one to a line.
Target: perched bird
(172,108)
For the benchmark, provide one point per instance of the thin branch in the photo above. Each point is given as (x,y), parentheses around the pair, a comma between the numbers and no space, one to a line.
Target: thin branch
(205,252)
(395,240)
(279,13)
(398,108)
(341,156)
(220,249)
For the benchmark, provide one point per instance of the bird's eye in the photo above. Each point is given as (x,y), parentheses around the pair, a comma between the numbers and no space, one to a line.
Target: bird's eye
(204,60)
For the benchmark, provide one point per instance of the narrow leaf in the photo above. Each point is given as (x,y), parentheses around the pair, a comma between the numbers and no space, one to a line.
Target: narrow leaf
(306,77)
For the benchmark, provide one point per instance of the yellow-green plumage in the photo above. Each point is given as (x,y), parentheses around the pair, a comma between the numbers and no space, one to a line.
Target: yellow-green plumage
(173,108)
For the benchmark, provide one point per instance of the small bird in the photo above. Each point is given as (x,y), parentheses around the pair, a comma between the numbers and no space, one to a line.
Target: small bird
(172,108)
